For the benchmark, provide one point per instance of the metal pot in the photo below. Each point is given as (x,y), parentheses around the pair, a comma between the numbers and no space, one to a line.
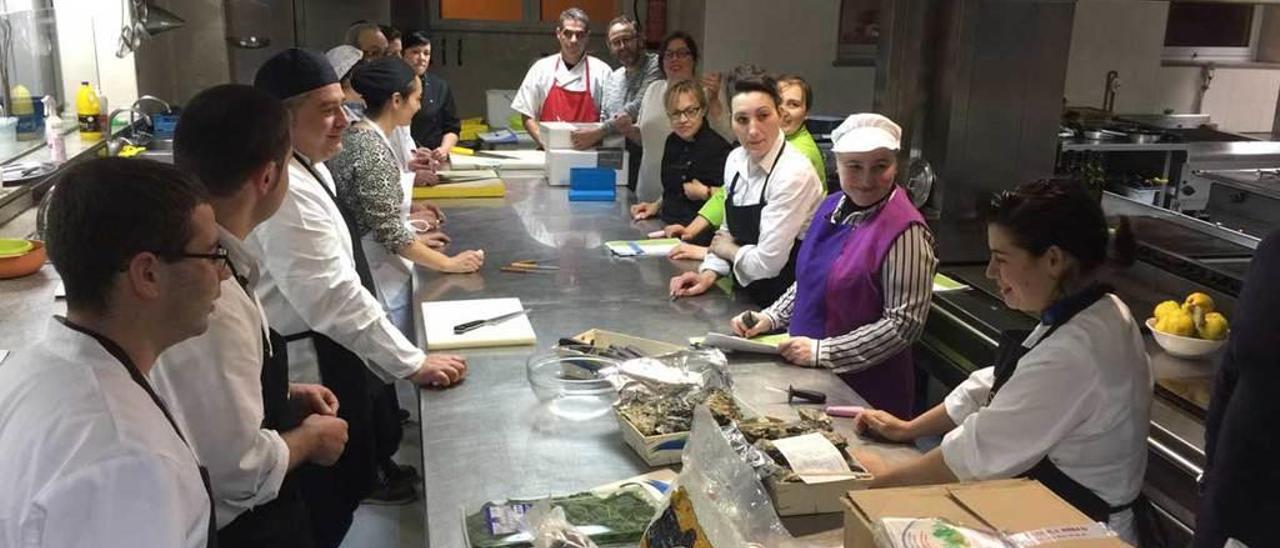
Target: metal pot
(1142,138)
(1102,134)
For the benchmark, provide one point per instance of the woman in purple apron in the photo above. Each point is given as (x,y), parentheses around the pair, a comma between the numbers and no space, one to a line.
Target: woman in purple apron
(863,275)
(1067,403)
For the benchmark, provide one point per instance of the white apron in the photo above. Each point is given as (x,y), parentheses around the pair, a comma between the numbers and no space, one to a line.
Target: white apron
(393,274)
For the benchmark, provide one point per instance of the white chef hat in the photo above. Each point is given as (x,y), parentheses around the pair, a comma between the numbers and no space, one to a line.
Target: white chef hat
(866,132)
(343,58)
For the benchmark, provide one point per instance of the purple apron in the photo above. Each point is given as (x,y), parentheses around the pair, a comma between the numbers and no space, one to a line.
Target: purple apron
(838,290)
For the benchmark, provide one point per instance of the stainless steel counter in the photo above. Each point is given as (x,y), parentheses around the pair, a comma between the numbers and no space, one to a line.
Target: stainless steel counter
(488,438)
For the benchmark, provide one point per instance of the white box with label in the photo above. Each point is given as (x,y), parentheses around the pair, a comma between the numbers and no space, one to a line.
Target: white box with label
(560,161)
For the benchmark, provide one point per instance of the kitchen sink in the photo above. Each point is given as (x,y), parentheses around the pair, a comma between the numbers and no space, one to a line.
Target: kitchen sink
(165,156)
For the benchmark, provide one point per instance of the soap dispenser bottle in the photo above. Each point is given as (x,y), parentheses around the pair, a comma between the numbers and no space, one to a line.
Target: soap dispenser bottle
(52,128)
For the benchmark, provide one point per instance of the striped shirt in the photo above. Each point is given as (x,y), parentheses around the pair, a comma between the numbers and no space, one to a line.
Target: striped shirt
(625,88)
(906,278)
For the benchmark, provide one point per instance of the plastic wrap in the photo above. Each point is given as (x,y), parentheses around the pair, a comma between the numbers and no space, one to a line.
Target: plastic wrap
(761,462)
(717,499)
(551,529)
(699,368)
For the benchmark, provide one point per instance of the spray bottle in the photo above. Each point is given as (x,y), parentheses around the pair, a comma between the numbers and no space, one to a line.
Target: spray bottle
(52,125)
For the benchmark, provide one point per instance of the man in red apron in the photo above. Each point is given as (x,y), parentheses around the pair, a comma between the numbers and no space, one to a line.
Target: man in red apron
(567,86)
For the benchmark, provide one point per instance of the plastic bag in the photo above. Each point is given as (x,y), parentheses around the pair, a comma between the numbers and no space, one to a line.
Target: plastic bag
(717,500)
(930,533)
(552,530)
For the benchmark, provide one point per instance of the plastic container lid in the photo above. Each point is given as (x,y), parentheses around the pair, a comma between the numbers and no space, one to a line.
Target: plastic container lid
(10,247)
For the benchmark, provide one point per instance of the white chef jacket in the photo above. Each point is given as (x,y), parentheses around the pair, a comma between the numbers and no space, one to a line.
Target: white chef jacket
(548,71)
(214,382)
(88,459)
(402,146)
(1081,396)
(793,194)
(309,283)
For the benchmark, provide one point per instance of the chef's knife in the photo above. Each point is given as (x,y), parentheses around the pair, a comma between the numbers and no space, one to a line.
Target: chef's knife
(467,327)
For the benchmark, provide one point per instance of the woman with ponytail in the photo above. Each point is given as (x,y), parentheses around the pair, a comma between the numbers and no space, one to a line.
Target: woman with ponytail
(1067,403)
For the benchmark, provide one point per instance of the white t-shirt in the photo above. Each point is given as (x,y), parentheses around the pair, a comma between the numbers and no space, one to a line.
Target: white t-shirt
(88,458)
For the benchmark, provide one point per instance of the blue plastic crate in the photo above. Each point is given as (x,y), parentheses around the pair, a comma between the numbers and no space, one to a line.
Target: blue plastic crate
(164,125)
(592,184)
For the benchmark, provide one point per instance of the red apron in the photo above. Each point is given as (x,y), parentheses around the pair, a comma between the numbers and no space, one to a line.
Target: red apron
(562,105)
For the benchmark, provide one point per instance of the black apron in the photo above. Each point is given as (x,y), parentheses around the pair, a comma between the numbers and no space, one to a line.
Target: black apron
(121,356)
(1011,350)
(333,493)
(744,225)
(282,522)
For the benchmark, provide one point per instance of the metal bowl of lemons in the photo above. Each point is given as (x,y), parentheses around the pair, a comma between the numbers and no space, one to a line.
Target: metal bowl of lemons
(1191,329)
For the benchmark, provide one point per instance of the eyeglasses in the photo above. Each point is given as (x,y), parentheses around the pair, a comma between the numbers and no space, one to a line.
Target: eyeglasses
(677,54)
(689,113)
(622,41)
(219,255)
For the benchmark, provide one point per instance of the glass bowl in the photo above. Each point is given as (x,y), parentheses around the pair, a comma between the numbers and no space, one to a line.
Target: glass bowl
(569,386)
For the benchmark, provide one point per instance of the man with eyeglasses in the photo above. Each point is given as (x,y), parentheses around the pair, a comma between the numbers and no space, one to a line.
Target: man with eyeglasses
(565,87)
(229,388)
(637,69)
(622,92)
(91,455)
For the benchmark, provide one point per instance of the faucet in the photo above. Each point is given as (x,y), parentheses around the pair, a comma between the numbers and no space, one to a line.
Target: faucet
(1109,92)
(153,99)
(138,136)
(131,135)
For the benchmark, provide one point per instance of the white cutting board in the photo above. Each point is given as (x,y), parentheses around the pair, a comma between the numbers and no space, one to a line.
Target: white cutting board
(439,317)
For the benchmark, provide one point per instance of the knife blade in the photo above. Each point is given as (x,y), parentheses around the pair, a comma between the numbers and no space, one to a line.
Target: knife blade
(497,155)
(467,327)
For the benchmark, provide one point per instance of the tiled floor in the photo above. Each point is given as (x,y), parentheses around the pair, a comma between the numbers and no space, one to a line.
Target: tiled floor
(394,526)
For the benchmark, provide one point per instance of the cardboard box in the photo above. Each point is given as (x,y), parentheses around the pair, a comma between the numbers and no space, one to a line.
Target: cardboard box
(802,499)
(601,338)
(1011,506)
(655,451)
(560,161)
(556,135)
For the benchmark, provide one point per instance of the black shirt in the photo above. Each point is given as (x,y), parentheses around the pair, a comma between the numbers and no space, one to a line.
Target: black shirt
(702,159)
(438,115)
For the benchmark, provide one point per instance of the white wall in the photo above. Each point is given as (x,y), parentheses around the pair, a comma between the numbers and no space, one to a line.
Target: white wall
(86,26)
(1127,36)
(784,38)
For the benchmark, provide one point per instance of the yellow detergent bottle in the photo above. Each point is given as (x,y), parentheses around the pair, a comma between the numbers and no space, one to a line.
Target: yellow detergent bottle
(30,126)
(89,113)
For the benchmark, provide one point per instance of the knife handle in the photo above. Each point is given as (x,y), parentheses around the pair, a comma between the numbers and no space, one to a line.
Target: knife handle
(806,395)
(468,326)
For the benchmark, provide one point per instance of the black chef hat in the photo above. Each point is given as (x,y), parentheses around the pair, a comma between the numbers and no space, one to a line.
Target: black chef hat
(377,80)
(294,72)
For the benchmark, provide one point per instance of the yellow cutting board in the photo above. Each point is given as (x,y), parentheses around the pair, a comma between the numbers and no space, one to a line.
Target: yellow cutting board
(439,317)
(488,188)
